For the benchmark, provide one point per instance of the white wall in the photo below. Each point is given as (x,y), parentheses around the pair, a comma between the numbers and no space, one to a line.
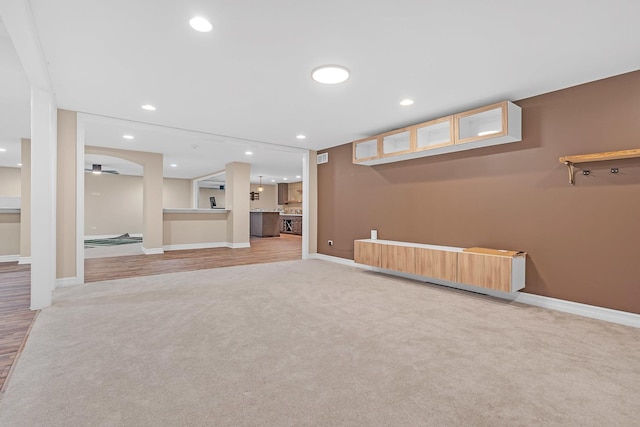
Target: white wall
(205,193)
(268,198)
(10,182)
(113,203)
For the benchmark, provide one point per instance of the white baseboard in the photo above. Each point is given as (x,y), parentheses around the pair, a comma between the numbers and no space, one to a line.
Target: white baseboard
(9,258)
(591,311)
(24,260)
(238,245)
(187,246)
(152,251)
(586,310)
(67,281)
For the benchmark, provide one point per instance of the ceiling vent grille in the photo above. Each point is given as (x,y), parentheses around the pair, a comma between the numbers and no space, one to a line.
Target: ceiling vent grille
(322,158)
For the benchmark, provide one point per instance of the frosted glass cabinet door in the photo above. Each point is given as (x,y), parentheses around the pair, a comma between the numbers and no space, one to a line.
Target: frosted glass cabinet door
(482,123)
(434,134)
(398,142)
(365,150)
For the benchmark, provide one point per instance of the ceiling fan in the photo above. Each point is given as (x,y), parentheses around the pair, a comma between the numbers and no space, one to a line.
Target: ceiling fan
(97,169)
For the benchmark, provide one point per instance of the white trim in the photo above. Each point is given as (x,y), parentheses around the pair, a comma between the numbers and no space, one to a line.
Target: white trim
(305,206)
(67,281)
(338,260)
(585,310)
(238,245)
(188,246)
(152,251)
(9,258)
(24,260)
(80,197)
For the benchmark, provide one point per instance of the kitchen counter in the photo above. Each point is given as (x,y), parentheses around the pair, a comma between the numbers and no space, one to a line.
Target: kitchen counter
(264,224)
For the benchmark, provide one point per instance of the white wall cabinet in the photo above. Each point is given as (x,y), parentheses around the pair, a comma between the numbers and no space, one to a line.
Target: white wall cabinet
(494,124)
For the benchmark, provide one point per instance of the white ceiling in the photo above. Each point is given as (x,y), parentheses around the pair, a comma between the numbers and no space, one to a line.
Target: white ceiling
(250,77)
(15,102)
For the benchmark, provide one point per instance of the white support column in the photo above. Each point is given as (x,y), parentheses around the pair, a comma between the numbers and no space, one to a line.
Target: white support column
(43,197)
(309,205)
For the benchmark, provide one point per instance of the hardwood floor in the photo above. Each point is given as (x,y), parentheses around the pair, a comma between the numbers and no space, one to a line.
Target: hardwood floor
(15,316)
(269,249)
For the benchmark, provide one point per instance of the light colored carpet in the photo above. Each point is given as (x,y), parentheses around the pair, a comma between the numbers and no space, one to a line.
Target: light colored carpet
(315,343)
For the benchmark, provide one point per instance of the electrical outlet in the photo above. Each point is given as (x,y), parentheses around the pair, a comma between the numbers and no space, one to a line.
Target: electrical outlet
(330,242)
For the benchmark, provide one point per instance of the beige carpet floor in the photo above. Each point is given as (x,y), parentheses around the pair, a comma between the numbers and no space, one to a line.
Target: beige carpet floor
(314,343)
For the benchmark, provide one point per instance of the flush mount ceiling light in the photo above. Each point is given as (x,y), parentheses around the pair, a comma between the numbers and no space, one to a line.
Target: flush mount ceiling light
(260,187)
(248,153)
(273,180)
(406,102)
(330,74)
(127,136)
(301,136)
(298,176)
(284,179)
(2,150)
(19,164)
(148,107)
(173,165)
(198,23)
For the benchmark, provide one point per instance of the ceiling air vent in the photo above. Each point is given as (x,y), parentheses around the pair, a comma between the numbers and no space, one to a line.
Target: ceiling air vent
(322,158)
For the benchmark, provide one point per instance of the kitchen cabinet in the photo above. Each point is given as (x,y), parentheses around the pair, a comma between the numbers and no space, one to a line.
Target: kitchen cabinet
(264,224)
(291,224)
(295,192)
(493,124)
(283,193)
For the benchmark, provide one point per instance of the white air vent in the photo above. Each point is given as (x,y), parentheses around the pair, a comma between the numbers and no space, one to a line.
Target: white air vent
(322,158)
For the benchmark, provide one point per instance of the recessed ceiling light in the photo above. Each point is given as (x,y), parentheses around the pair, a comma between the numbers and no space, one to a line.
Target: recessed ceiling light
(198,23)
(273,180)
(248,153)
(20,164)
(284,179)
(3,150)
(173,165)
(330,74)
(298,176)
(406,102)
(300,136)
(148,107)
(127,136)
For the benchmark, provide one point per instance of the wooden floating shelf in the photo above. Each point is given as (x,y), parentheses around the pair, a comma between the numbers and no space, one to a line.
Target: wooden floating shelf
(596,157)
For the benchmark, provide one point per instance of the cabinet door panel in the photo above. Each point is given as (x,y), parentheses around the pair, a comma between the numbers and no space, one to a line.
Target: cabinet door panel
(398,258)
(437,264)
(497,273)
(487,271)
(471,269)
(365,150)
(481,123)
(367,253)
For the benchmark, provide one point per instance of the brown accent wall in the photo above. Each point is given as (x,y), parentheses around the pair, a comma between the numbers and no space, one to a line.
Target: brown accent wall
(583,241)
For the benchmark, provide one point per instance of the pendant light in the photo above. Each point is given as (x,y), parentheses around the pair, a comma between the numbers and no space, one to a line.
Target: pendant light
(260,187)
